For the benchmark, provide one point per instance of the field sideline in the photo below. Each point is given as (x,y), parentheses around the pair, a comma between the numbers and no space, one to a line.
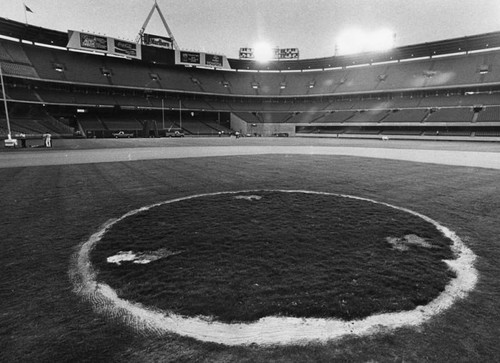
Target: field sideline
(54,199)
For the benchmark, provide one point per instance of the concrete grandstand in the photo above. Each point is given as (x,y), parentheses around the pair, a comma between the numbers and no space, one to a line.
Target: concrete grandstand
(447,89)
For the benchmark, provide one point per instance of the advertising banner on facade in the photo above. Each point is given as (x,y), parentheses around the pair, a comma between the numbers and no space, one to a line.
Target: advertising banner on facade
(190,57)
(103,44)
(213,60)
(126,48)
(95,42)
(200,59)
(157,41)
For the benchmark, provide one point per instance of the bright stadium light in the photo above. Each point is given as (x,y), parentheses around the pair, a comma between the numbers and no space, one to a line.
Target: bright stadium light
(351,41)
(357,41)
(381,40)
(263,52)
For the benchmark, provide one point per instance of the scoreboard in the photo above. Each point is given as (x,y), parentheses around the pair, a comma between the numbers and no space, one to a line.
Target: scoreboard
(278,53)
(288,53)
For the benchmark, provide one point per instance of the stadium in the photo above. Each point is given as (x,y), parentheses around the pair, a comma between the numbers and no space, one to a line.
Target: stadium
(196,207)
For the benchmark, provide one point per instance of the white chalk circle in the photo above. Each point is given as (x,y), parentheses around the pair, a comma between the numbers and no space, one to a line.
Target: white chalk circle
(268,330)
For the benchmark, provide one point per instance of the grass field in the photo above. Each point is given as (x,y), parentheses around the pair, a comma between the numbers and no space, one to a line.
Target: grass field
(286,254)
(48,211)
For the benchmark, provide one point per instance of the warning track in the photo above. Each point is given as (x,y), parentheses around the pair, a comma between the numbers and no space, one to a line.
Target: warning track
(482,159)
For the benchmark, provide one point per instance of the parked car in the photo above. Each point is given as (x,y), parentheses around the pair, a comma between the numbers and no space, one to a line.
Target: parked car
(174,134)
(122,135)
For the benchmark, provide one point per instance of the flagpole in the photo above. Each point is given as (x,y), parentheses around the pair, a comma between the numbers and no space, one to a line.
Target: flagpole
(26,11)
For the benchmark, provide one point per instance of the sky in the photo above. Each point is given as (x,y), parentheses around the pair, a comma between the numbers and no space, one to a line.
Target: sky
(223,26)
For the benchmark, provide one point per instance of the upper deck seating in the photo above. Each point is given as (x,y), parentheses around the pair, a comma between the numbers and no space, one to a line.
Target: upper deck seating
(19,70)
(13,52)
(75,67)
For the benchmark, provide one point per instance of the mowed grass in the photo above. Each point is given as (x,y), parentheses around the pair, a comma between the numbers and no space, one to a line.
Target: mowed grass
(285,254)
(48,211)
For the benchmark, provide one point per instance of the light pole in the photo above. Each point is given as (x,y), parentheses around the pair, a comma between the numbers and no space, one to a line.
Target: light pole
(5,104)
(180,114)
(163,112)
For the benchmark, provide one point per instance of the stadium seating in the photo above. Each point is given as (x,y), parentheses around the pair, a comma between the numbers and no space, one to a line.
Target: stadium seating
(121,122)
(489,114)
(405,95)
(306,117)
(406,115)
(21,93)
(338,116)
(369,116)
(198,128)
(35,61)
(91,122)
(450,115)
(33,121)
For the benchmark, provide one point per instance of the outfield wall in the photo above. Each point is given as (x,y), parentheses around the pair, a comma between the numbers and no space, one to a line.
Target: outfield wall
(261,129)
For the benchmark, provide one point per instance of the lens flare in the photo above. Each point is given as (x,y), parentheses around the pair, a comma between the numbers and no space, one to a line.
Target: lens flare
(263,52)
(354,41)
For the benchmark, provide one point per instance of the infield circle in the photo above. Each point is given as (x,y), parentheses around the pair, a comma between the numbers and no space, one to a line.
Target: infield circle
(270,329)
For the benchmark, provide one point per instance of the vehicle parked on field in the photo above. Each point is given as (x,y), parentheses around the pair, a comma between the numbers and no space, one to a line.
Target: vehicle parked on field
(175,133)
(122,135)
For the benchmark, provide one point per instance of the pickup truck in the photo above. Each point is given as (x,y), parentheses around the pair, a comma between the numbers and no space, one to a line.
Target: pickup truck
(122,135)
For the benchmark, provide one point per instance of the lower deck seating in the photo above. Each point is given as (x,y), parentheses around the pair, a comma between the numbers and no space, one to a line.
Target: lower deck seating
(123,123)
(451,115)
(217,126)
(30,126)
(198,128)
(488,114)
(369,116)
(488,133)
(91,123)
(402,132)
(406,115)
(274,117)
(21,94)
(307,117)
(338,116)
